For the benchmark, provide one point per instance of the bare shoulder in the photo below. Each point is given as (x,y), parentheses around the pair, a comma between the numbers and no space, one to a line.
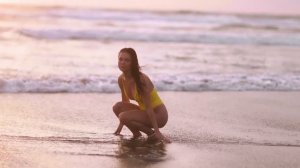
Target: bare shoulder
(120,78)
(145,78)
(146,82)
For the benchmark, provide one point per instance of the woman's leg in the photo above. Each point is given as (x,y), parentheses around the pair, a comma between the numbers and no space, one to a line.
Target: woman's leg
(139,120)
(124,106)
(121,107)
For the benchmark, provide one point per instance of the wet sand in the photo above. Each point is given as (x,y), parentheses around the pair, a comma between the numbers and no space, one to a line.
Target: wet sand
(208,129)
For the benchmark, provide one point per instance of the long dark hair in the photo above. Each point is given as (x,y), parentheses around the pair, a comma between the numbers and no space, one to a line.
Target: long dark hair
(135,68)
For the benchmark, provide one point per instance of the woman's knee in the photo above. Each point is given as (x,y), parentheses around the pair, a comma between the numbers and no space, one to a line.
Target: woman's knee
(123,117)
(116,107)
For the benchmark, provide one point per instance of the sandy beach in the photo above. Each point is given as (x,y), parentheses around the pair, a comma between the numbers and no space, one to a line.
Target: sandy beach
(208,129)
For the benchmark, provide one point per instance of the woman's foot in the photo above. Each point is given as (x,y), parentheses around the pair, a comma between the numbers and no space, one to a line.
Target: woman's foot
(136,135)
(152,138)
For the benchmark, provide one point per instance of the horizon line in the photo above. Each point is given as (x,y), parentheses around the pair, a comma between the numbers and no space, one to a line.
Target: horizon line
(187,11)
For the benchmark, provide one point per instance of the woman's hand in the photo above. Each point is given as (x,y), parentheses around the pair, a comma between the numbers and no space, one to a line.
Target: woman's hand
(119,129)
(161,137)
(117,132)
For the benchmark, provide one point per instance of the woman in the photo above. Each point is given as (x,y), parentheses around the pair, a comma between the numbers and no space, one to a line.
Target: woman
(135,85)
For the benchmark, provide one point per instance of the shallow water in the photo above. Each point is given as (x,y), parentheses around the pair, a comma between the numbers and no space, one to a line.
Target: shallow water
(75,130)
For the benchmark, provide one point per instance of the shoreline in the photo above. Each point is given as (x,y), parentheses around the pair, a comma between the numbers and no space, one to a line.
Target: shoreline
(212,129)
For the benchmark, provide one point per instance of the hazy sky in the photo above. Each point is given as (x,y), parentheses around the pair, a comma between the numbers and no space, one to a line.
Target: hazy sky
(237,6)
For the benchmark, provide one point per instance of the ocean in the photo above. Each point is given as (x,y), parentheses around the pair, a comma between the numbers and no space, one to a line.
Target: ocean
(75,49)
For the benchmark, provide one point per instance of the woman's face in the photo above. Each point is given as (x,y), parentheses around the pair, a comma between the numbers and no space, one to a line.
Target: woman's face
(124,62)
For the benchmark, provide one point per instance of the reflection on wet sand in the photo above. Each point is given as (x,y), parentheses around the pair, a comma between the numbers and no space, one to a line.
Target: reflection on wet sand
(137,152)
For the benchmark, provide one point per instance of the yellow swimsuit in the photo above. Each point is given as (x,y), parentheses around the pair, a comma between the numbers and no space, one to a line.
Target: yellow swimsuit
(154,98)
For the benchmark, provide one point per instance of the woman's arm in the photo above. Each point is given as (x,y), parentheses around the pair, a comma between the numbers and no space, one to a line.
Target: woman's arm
(124,99)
